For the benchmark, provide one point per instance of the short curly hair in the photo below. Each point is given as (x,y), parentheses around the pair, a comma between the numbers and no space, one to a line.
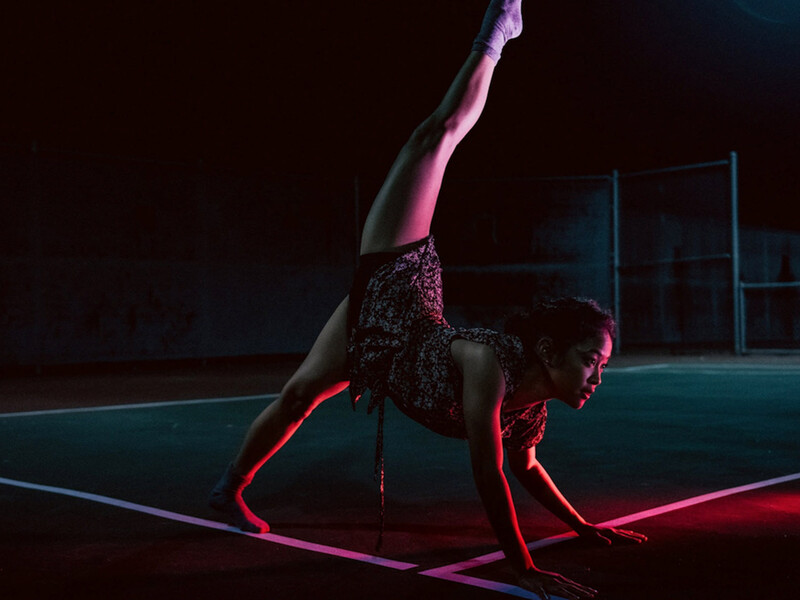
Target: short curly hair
(566,321)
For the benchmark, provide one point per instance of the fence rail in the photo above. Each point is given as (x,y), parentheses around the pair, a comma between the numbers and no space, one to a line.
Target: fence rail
(111,258)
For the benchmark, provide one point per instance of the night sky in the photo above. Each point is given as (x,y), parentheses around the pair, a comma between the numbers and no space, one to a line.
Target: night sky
(317,87)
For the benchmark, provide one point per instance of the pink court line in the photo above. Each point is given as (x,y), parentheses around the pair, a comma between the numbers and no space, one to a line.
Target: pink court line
(447,572)
(173,516)
(451,572)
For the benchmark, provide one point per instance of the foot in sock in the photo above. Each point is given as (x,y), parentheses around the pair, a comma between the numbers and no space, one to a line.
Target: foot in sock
(226,497)
(502,22)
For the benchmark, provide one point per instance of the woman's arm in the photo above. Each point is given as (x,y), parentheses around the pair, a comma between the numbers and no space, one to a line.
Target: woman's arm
(534,478)
(484,388)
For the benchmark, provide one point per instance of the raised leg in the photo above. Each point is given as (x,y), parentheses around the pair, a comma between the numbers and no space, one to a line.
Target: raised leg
(401,214)
(403,209)
(322,374)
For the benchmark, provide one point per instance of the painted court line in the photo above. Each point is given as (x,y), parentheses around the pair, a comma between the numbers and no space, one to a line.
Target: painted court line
(447,572)
(705,369)
(451,572)
(637,368)
(173,516)
(85,409)
(709,368)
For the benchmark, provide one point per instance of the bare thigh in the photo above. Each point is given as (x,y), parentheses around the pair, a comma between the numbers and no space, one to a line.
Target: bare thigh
(323,373)
(403,209)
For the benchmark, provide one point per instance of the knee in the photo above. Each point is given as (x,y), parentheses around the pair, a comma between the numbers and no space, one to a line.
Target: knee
(429,135)
(297,401)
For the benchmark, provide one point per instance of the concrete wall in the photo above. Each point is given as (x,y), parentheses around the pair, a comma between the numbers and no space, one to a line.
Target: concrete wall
(113,260)
(108,260)
(505,244)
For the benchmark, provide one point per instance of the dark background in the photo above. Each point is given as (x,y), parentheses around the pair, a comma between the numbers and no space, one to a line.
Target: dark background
(313,87)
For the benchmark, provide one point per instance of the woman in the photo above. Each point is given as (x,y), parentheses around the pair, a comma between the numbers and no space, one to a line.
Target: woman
(389,336)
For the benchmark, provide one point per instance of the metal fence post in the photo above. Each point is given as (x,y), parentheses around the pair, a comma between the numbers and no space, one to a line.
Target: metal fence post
(615,253)
(737,306)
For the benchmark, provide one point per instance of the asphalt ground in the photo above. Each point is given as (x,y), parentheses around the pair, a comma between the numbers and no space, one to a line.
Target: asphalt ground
(104,477)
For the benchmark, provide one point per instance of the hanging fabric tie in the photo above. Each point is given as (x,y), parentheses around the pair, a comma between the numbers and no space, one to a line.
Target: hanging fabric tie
(379,475)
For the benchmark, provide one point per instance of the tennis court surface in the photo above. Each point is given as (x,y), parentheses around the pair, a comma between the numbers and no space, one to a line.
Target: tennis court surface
(104,479)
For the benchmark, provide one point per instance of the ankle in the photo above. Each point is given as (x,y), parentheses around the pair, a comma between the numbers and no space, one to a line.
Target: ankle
(241,474)
(501,23)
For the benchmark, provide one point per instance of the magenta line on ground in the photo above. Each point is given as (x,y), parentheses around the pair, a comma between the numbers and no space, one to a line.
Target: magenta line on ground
(453,572)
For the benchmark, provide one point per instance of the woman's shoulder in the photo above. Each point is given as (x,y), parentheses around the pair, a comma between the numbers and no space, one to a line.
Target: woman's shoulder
(507,349)
(469,353)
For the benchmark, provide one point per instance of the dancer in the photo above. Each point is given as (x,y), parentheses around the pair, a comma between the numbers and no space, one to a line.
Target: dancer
(389,336)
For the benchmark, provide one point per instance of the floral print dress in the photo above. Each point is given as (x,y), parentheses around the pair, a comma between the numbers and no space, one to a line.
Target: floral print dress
(399,348)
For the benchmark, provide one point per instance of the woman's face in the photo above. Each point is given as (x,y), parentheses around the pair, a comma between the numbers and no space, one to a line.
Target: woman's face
(579,371)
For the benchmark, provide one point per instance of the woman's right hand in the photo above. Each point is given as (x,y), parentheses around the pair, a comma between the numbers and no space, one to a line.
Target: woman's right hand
(545,583)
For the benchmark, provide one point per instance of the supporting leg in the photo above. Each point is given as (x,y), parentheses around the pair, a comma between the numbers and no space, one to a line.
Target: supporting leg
(322,374)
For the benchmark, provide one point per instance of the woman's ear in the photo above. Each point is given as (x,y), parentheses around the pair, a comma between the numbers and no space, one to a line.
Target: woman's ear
(545,351)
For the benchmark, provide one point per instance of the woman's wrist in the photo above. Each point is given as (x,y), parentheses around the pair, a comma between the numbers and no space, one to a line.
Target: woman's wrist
(521,564)
(582,528)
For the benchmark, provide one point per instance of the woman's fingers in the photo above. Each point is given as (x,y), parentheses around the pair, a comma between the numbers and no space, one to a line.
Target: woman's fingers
(625,534)
(612,535)
(544,584)
(576,589)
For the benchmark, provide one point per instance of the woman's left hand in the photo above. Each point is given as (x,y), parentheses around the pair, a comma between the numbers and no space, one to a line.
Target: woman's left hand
(609,536)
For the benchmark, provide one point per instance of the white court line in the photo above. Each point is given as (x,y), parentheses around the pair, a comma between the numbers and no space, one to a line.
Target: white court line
(746,371)
(450,572)
(637,368)
(173,516)
(709,368)
(712,368)
(703,369)
(84,409)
